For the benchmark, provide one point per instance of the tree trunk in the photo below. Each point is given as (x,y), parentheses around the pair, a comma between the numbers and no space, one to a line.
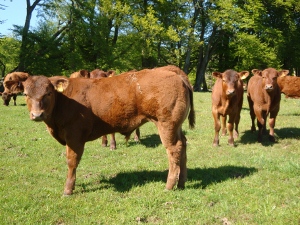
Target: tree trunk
(205,54)
(24,45)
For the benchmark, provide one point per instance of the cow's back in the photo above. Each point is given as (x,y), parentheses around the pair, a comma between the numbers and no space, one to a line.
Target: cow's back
(130,99)
(290,86)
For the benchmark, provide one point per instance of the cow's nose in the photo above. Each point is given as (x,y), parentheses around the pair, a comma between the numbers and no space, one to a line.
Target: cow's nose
(36,116)
(269,87)
(230,92)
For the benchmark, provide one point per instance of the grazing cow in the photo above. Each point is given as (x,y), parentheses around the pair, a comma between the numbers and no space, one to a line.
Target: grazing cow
(264,96)
(227,99)
(80,73)
(90,108)
(8,94)
(289,85)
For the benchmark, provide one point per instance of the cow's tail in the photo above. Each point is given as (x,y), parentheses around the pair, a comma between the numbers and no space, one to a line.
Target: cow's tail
(192,115)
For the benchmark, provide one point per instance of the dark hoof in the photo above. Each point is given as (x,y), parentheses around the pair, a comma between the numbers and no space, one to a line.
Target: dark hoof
(271,138)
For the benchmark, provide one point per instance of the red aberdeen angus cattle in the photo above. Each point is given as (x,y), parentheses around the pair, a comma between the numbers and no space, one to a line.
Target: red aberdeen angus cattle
(227,99)
(264,97)
(8,94)
(289,85)
(90,108)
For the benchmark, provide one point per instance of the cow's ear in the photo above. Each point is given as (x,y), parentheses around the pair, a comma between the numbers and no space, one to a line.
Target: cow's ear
(59,83)
(256,72)
(283,73)
(84,73)
(217,75)
(243,75)
(14,86)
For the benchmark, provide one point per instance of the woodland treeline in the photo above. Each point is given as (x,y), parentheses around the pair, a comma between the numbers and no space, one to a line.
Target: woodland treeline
(198,36)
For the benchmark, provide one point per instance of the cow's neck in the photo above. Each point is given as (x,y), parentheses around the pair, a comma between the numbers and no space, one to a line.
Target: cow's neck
(51,122)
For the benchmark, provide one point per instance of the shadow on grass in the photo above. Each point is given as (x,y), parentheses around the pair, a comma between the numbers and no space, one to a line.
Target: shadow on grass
(249,137)
(149,141)
(199,177)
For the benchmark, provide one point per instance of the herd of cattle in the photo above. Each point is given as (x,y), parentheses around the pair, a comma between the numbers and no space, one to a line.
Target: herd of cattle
(85,107)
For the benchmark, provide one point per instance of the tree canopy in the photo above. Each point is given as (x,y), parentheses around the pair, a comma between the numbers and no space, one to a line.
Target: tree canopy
(199,36)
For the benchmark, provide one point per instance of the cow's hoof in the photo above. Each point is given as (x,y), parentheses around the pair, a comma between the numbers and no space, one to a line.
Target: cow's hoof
(68,193)
(271,138)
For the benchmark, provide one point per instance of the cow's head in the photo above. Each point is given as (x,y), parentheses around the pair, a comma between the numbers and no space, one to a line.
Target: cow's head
(230,80)
(40,94)
(269,77)
(6,98)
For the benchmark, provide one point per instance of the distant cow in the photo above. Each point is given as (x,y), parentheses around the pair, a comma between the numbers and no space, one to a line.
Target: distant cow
(90,108)
(8,94)
(97,73)
(289,85)
(264,97)
(80,73)
(227,99)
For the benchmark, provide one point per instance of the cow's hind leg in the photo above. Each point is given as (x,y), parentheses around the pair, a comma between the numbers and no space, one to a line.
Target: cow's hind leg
(104,141)
(175,144)
(73,159)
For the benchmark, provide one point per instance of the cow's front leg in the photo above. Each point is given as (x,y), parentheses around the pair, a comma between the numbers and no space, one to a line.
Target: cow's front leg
(112,141)
(272,121)
(73,159)
(216,117)
(223,126)
(230,129)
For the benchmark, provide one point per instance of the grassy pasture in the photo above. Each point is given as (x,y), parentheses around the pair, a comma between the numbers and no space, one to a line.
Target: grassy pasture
(251,183)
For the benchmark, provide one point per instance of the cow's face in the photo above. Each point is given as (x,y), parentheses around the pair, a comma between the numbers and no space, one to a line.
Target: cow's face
(269,77)
(6,98)
(40,97)
(230,79)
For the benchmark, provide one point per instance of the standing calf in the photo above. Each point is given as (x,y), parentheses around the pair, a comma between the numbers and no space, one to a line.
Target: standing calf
(89,108)
(264,97)
(227,99)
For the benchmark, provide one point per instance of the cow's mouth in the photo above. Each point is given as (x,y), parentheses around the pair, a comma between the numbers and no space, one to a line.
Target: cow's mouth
(269,89)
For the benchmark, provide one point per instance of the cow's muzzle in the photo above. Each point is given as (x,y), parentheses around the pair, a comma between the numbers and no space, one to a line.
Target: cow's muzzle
(269,88)
(37,116)
(230,93)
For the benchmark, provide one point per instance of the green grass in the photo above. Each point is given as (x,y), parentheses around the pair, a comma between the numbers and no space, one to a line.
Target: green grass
(251,183)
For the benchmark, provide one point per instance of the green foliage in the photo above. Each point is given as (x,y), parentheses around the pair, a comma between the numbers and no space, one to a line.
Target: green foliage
(251,183)
(9,54)
(251,53)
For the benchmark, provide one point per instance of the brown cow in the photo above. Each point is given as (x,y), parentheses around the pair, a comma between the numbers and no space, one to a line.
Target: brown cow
(80,73)
(227,99)
(264,97)
(97,73)
(289,85)
(8,94)
(90,108)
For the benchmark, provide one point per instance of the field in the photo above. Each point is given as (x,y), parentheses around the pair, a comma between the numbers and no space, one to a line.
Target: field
(251,183)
